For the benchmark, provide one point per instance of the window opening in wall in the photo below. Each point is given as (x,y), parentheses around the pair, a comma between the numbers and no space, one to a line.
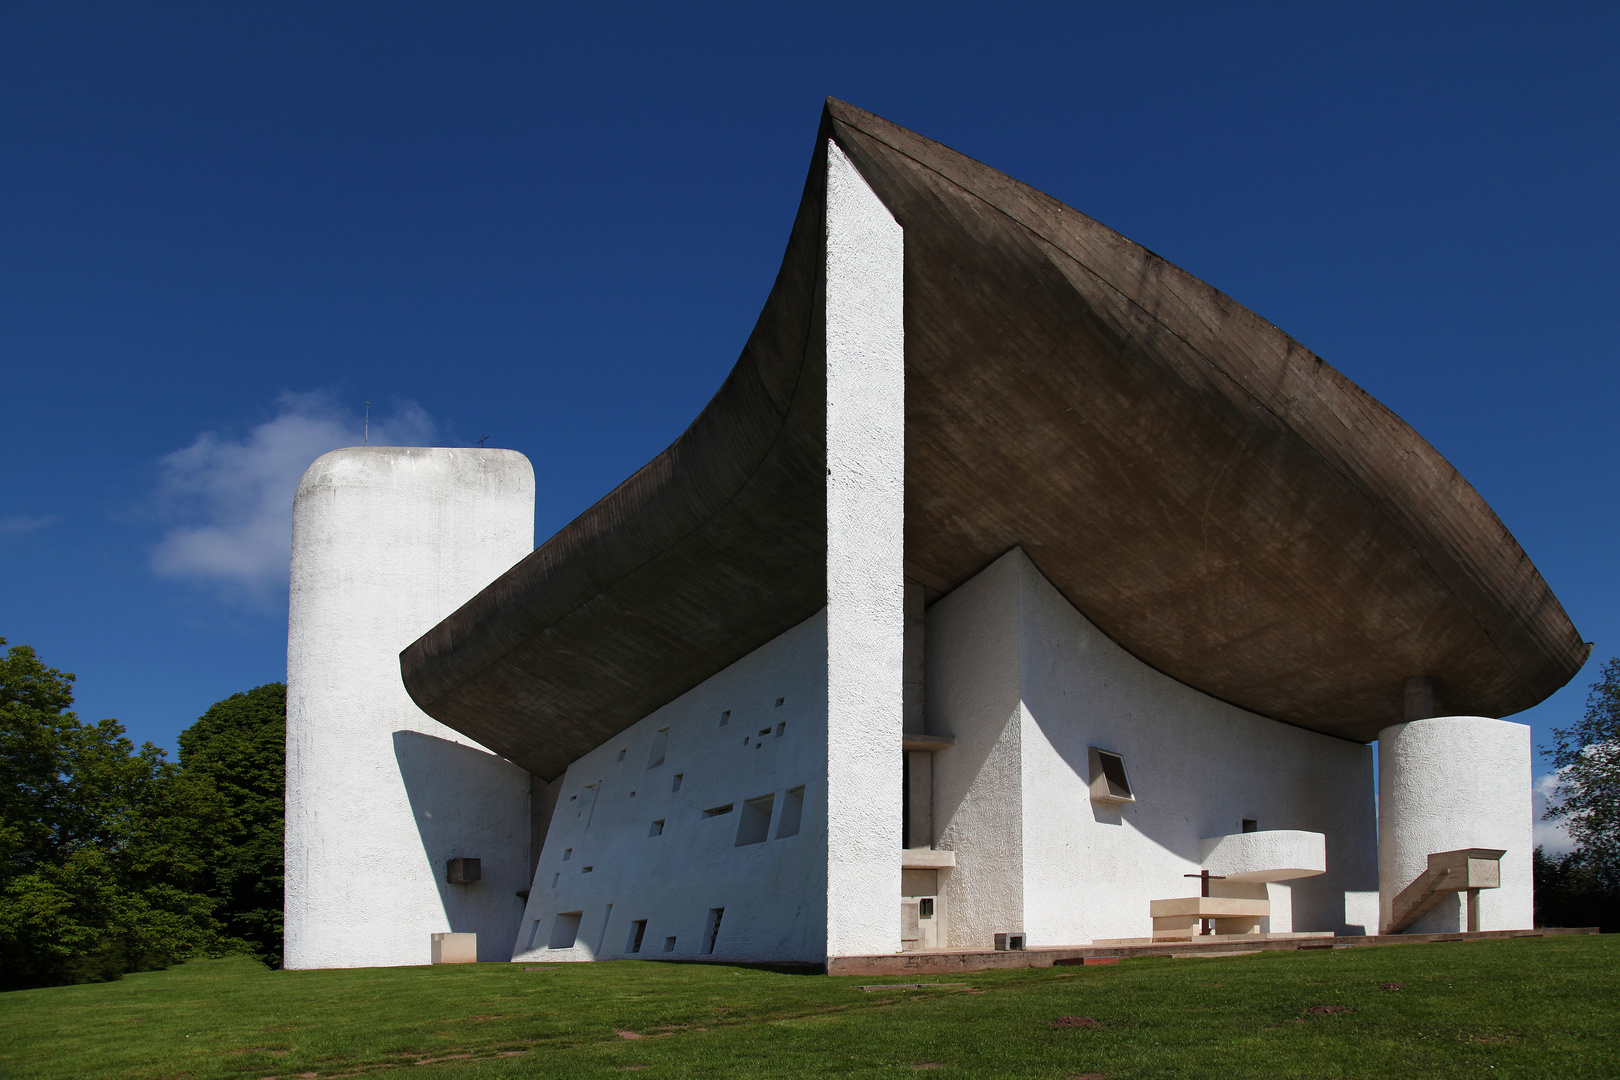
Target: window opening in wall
(534,936)
(716,811)
(925,908)
(1250,825)
(586,869)
(554,879)
(1108,780)
(565,931)
(669,944)
(660,746)
(568,853)
(676,786)
(754,824)
(632,794)
(792,809)
(746,739)
(638,930)
(781,728)
(725,718)
(623,751)
(779,702)
(712,932)
(601,938)
(588,807)
(656,828)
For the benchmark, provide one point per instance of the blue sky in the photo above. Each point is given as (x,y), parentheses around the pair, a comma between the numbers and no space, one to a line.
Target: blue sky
(225,226)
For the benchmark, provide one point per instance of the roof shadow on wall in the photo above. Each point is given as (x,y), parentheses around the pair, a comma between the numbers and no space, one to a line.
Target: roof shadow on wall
(448,784)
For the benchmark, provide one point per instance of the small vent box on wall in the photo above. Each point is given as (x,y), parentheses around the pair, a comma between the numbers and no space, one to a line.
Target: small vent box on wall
(463,871)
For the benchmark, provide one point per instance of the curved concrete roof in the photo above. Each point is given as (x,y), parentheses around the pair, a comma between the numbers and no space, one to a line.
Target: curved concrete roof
(1220,501)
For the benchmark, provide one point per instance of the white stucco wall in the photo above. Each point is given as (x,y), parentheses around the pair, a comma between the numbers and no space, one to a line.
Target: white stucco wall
(1026,685)
(865,356)
(387,541)
(1455,782)
(773,892)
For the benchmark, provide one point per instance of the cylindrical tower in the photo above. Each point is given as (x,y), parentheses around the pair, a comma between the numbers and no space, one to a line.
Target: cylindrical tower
(387,541)
(1454,782)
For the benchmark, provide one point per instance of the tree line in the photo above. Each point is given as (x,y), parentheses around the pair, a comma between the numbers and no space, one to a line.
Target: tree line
(1582,887)
(114,859)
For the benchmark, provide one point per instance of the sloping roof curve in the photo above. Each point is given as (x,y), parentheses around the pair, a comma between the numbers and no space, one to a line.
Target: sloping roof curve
(1220,501)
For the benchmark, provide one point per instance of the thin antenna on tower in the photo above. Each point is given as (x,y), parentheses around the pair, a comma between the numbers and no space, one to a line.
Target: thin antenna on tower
(368,423)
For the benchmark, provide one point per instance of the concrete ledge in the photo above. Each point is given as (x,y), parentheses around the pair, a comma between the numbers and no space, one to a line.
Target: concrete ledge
(946,961)
(926,859)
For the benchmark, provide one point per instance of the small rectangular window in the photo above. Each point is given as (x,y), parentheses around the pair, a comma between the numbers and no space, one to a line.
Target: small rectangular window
(660,746)
(712,931)
(657,828)
(601,937)
(669,944)
(568,853)
(638,930)
(623,751)
(781,728)
(779,702)
(676,786)
(1250,825)
(792,810)
(725,718)
(565,931)
(586,869)
(716,811)
(925,908)
(534,935)
(1108,780)
(554,879)
(754,824)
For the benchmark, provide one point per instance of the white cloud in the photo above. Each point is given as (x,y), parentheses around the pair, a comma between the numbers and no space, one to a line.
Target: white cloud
(23,524)
(1550,835)
(231,499)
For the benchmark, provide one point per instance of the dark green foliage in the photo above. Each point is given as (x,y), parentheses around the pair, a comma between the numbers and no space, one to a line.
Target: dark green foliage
(1587,757)
(1582,888)
(100,843)
(1571,892)
(236,751)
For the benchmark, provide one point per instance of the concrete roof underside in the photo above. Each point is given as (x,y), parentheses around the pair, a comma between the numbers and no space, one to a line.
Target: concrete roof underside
(1222,503)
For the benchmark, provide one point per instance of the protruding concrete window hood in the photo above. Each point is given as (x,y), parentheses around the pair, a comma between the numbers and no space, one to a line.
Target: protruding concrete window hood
(1109,784)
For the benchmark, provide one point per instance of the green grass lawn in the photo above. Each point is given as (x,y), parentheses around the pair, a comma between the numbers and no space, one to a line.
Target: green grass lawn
(1547,1007)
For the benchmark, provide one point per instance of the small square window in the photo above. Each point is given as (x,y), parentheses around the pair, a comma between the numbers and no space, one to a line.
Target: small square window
(725,718)
(1250,825)
(1109,783)
(660,747)
(669,944)
(656,828)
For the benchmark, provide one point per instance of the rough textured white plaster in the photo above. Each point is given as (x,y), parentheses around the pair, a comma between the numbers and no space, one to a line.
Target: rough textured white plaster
(865,357)
(1454,782)
(772,892)
(1027,685)
(387,541)
(1268,855)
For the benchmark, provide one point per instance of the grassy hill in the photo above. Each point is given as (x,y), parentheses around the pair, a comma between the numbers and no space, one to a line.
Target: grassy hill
(1505,1008)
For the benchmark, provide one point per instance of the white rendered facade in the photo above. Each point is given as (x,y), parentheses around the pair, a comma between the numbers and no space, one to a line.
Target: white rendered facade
(873,763)
(387,541)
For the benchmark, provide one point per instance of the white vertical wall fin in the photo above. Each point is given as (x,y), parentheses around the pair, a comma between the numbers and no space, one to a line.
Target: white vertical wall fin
(387,541)
(865,339)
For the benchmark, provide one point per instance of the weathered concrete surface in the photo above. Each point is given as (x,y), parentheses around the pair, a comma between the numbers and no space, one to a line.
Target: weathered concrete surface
(1213,497)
